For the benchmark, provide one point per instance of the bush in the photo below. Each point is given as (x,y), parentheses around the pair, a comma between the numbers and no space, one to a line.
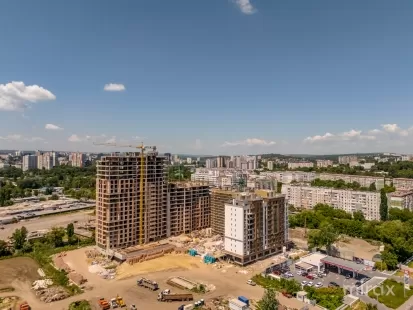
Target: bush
(80,305)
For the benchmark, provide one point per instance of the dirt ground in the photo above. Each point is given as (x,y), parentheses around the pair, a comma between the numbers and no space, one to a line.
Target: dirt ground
(21,269)
(348,247)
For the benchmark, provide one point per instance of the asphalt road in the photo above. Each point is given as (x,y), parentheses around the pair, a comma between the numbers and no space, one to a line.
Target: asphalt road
(47,222)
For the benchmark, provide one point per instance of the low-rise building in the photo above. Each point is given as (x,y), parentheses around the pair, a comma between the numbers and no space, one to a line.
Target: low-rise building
(345,160)
(300,165)
(401,200)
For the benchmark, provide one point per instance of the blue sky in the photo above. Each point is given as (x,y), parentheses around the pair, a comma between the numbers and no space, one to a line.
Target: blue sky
(208,77)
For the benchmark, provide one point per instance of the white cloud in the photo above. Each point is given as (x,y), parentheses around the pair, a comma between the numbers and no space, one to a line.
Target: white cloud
(111,140)
(344,136)
(250,142)
(374,132)
(114,87)
(16,96)
(245,6)
(75,138)
(17,138)
(139,138)
(390,127)
(52,127)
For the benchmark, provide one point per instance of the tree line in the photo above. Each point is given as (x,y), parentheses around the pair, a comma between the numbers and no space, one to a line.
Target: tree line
(328,223)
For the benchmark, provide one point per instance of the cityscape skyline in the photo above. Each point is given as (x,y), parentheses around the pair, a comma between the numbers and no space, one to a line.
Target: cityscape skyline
(249,82)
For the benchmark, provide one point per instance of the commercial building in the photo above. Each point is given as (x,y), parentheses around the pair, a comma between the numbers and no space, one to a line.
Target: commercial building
(348,200)
(189,207)
(300,165)
(29,162)
(401,200)
(255,227)
(78,159)
(346,160)
(324,163)
(127,216)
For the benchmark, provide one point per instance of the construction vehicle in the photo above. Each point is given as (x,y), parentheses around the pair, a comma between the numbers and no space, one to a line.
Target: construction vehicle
(120,301)
(113,303)
(175,297)
(152,285)
(25,306)
(103,304)
(143,148)
(132,307)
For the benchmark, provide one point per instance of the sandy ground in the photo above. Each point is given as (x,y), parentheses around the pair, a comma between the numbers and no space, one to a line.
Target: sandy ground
(46,222)
(228,281)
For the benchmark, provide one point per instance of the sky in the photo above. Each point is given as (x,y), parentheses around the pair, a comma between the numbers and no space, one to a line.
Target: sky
(207,76)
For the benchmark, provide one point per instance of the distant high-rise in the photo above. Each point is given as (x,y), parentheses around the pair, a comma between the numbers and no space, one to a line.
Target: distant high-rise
(29,162)
(78,159)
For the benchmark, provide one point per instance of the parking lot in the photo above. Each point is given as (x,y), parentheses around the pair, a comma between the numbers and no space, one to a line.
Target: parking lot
(341,280)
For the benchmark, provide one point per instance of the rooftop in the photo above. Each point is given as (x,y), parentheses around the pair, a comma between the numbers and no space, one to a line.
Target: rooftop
(342,263)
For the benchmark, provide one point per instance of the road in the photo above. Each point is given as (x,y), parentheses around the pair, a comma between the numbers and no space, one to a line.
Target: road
(47,222)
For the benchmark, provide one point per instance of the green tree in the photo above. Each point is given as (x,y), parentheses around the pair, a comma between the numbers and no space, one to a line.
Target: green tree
(19,238)
(4,248)
(372,187)
(80,305)
(358,216)
(268,301)
(54,197)
(55,236)
(325,236)
(383,205)
(27,247)
(36,192)
(371,307)
(70,231)
(390,259)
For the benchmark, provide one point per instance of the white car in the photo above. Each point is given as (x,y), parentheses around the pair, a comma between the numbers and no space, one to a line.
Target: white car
(289,274)
(299,272)
(319,284)
(304,283)
(310,283)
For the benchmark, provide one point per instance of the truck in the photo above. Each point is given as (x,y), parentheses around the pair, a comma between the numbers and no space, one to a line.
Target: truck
(244,299)
(25,306)
(103,304)
(187,307)
(120,301)
(235,304)
(152,285)
(175,297)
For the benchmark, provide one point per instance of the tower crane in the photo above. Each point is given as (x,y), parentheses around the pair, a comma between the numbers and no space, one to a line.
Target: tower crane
(143,148)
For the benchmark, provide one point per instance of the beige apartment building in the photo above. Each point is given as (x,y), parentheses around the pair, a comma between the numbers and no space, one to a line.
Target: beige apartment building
(127,216)
(255,226)
(401,199)
(348,200)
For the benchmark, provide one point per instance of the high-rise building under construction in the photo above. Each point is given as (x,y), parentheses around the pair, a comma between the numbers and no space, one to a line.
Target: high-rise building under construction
(131,199)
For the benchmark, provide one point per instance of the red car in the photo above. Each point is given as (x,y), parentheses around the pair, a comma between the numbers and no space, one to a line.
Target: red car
(310,277)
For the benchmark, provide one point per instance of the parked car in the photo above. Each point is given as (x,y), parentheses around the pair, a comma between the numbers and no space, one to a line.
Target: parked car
(333,284)
(310,283)
(304,274)
(318,285)
(303,283)
(309,276)
(289,274)
(348,276)
(374,268)
(250,282)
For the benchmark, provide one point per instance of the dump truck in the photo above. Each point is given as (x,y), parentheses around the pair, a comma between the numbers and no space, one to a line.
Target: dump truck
(175,297)
(25,306)
(120,301)
(152,285)
(103,304)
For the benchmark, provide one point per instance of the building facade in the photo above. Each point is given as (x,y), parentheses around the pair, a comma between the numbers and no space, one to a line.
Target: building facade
(29,162)
(78,159)
(401,200)
(125,215)
(350,201)
(346,160)
(300,165)
(189,207)
(254,226)
(324,163)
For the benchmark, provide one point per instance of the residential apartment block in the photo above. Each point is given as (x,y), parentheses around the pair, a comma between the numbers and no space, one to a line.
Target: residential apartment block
(270,165)
(364,181)
(46,160)
(127,216)
(346,160)
(401,200)
(350,201)
(78,159)
(324,163)
(29,162)
(255,227)
(300,165)
(189,207)
(403,183)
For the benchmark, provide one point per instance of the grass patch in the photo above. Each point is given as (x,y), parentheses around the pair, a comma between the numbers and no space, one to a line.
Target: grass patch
(410,265)
(391,293)
(80,305)
(288,286)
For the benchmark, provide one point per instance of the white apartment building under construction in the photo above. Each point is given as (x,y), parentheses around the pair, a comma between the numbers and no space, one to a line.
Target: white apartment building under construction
(348,200)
